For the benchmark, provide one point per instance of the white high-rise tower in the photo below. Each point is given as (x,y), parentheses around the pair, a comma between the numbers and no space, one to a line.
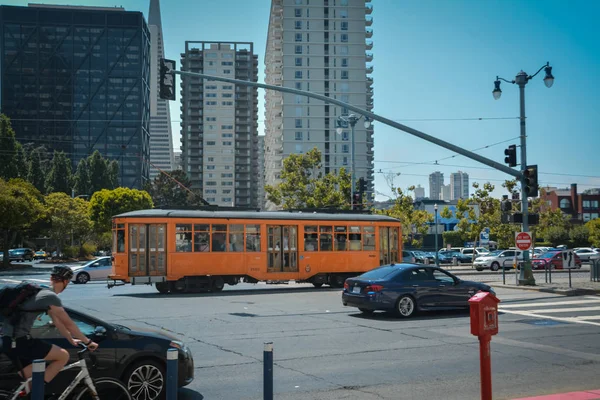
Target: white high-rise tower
(161,137)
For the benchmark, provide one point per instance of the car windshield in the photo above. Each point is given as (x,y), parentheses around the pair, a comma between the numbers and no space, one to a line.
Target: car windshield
(494,253)
(380,273)
(548,254)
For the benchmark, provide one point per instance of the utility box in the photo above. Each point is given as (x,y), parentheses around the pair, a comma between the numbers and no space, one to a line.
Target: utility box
(484,314)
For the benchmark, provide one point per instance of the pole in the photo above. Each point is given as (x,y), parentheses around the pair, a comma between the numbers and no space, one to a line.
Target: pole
(37,379)
(268,371)
(172,359)
(526,276)
(437,249)
(485,368)
(352,124)
(570,277)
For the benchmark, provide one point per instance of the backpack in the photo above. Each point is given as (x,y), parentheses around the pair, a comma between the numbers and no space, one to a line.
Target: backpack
(12,298)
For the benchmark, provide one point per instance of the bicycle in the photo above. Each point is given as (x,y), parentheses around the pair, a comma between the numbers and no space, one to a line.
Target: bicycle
(96,389)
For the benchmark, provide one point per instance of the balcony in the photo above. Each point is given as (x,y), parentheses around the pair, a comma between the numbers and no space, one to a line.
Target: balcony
(369,21)
(370,69)
(369,57)
(369,45)
(368,10)
(369,33)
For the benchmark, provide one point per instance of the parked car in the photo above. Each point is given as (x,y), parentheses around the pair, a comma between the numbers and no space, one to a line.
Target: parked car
(460,257)
(587,253)
(135,356)
(497,259)
(479,251)
(40,255)
(552,258)
(22,254)
(95,270)
(407,288)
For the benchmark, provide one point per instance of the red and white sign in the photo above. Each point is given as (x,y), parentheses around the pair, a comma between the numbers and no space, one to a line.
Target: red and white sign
(523,240)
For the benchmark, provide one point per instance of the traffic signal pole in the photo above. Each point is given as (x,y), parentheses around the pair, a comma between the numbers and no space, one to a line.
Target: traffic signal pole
(526,275)
(370,115)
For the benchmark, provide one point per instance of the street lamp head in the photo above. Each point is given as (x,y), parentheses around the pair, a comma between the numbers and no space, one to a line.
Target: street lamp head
(496,92)
(339,130)
(435,207)
(548,79)
(367,123)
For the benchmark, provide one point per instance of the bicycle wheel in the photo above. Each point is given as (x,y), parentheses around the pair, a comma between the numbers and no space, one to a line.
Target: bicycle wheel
(107,388)
(5,394)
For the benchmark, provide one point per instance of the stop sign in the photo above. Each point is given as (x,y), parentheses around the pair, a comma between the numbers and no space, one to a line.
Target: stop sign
(523,240)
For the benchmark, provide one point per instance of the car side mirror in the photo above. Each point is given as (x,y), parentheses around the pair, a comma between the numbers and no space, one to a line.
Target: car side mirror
(100,330)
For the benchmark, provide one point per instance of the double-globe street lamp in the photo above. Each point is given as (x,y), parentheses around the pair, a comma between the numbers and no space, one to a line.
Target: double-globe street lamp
(351,119)
(526,276)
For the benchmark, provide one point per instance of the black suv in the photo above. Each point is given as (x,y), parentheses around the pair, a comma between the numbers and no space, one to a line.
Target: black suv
(22,255)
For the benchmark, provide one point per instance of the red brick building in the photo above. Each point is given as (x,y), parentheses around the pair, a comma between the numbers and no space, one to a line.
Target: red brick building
(582,207)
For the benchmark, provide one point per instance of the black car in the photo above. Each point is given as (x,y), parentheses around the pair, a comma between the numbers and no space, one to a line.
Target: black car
(21,255)
(136,357)
(460,257)
(406,288)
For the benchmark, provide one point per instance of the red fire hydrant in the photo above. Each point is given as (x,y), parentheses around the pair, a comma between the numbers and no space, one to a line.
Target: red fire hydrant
(484,324)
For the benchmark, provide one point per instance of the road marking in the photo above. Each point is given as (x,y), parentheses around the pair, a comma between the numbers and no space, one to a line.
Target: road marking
(10,280)
(578,320)
(553,303)
(562,310)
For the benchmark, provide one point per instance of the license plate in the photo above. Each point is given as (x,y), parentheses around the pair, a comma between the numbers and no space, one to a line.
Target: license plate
(356,289)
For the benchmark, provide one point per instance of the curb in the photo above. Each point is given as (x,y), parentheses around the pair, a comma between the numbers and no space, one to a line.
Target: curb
(556,290)
(511,272)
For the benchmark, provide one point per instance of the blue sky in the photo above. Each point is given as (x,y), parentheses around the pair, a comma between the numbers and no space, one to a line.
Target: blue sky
(434,67)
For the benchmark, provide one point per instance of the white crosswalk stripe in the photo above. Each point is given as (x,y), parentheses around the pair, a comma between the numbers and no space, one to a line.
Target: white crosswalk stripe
(11,280)
(581,311)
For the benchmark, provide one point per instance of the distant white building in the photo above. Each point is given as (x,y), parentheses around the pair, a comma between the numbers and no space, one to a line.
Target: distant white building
(436,181)
(459,185)
(161,138)
(177,160)
(446,193)
(419,193)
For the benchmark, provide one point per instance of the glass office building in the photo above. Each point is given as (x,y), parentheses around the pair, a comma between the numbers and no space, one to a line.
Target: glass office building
(76,79)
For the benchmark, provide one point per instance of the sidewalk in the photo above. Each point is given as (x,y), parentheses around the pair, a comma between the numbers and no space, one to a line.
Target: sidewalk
(578,287)
(583,395)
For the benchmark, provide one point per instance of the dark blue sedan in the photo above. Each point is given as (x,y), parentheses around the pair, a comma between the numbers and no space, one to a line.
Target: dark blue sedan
(407,288)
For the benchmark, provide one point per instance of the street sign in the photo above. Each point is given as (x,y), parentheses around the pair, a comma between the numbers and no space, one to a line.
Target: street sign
(484,237)
(568,257)
(523,240)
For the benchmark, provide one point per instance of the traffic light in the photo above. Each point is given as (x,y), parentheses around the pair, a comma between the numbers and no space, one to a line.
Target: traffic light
(362,185)
(357,203)
(505,204)
(511,155)
(167,79)
(531,181)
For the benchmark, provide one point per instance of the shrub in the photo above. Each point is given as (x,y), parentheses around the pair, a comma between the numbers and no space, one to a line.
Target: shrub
(87,249)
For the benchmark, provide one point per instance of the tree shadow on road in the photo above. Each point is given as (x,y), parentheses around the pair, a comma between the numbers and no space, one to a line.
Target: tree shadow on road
(188,394)
(420,316)
(234,292)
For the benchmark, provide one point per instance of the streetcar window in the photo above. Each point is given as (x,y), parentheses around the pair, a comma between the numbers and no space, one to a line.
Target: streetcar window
(252,237)
(369,238)
(340,238)
(236,237)
(183,238)
(354,237)
(119,239)
(201,237)
(310,238)
(325,238)
(219,238)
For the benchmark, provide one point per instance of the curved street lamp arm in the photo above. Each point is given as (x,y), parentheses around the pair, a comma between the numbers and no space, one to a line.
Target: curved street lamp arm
(502,79)
(539,70)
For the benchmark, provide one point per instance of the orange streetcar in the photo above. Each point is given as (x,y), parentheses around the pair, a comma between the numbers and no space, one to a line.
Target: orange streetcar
(187,251)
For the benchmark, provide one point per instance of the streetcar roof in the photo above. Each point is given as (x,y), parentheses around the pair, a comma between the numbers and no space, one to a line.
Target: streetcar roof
(274,215)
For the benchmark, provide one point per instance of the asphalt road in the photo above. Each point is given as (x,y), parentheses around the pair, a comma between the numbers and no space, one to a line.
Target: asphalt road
(323,350)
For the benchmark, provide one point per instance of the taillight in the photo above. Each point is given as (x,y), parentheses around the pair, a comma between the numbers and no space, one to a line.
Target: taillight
(346,286)
(374,288)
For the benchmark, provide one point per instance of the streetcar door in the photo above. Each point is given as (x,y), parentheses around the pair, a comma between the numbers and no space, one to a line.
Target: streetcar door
(147,250)
(388,245)
(282,248)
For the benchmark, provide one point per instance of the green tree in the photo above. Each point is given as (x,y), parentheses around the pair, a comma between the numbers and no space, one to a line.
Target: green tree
(580,236)
(464,214)
(36,174)
(98,171)
(593,227)
(13,163)
(21,205)
(167,192)
(105,204)
(415,223)
(554,226)
(59,177)
(304,185)
(82,183)
(68,217)
(113,174)
(556,235)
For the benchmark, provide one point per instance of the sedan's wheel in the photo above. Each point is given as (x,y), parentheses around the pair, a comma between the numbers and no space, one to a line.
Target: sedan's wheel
(83,277)
(495,266)
(146,380)
(405,306)
(366,311)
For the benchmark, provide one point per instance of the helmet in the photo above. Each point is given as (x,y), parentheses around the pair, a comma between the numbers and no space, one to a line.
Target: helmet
(62,272)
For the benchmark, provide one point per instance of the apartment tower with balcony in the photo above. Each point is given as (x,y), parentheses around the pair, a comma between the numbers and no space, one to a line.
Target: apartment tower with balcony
(219,123)
(320,47)
(436,186)
(459,185)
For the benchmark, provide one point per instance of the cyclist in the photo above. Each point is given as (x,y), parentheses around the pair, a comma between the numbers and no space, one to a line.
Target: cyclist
(22,349)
